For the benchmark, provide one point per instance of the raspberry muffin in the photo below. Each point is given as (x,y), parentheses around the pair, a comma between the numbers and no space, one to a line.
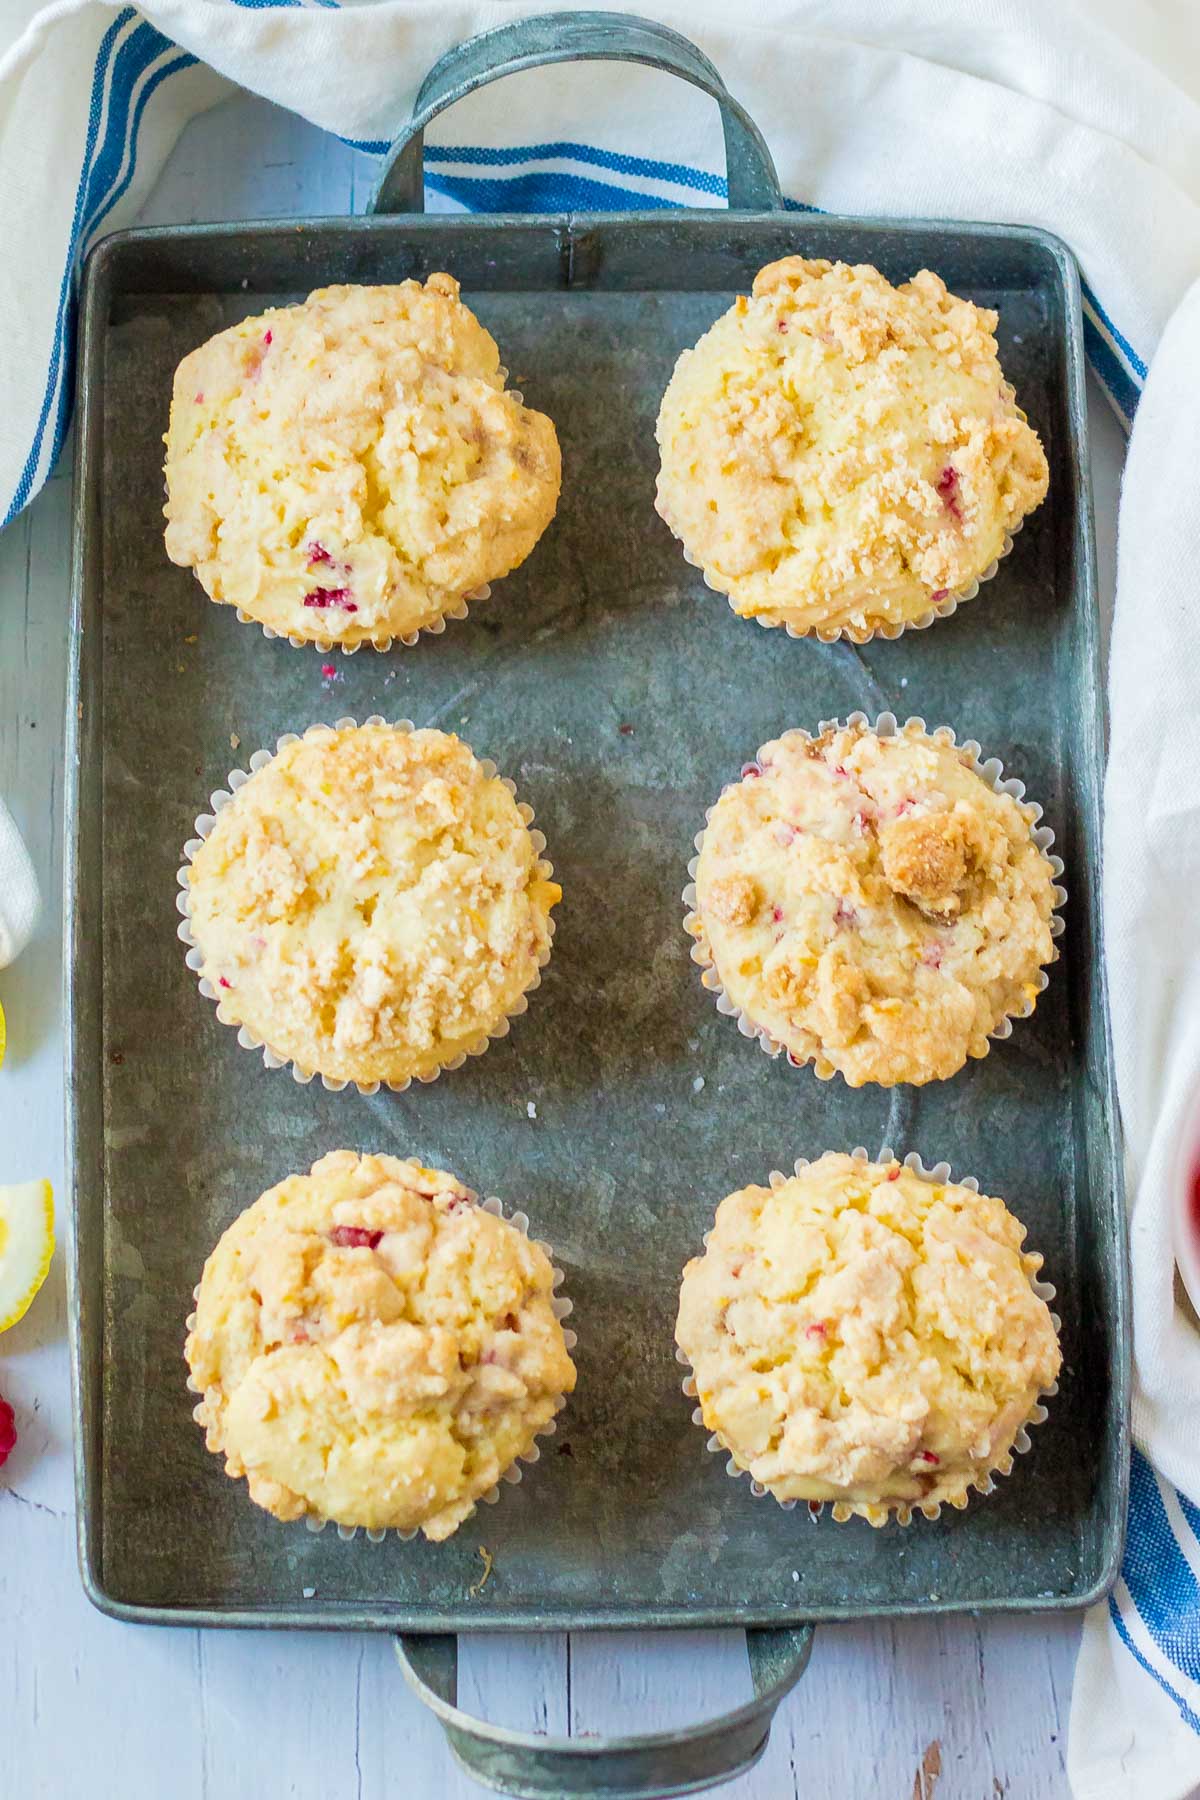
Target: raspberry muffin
(844,456)
(867,1335)
(352,469)
(371,903)
(373,1347)
(872,904)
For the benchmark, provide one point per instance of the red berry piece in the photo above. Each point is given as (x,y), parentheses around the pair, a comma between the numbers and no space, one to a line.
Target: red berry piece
(947,487)
(317,553)
(927,1456)
(354,1237)
(817,1331)
(322,597)
(221,982)
(750,770)
(8,1432)
(329,671)
(268,338)
(939,593)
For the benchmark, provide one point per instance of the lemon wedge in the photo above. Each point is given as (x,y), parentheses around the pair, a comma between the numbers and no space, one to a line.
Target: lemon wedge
(26,1245)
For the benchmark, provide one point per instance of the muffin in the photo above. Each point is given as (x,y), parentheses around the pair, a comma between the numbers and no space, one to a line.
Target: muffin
(353,468)
(844,456)
(370,904)
(870,903)
(863,1334)
(373,1347)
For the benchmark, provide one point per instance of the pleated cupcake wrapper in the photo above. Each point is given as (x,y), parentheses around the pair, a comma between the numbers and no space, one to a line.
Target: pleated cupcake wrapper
(382,643)
(563,1308)
(249,1040)
(991,771)
(903,1511)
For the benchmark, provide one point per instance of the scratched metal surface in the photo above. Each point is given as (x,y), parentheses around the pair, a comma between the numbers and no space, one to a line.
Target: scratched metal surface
(649,1105)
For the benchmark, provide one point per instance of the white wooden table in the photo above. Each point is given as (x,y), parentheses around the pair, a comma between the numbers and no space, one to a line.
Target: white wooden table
(102,1711)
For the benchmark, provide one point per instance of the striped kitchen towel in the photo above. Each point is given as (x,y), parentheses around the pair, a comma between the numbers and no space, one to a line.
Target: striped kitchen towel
(1085,120)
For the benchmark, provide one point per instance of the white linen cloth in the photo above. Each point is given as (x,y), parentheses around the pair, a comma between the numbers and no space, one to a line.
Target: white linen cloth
(1084,118)
(18,891)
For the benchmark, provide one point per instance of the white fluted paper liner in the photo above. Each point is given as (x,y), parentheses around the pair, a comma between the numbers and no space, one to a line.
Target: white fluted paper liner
(384,641)
(249,1040)
(942,608)
(562,1307)
(902,1511)
(990,770)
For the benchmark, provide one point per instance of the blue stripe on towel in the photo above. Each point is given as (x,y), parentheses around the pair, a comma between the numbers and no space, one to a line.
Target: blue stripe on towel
(1190,1512)
(545,191)
(95,112)
(1158,1575)
(1135,361)
(113,84)
(123,134)
(619,162)
(1185,1711)
(1121,387)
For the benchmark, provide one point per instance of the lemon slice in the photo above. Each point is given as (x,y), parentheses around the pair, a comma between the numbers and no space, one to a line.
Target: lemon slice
(26,1245)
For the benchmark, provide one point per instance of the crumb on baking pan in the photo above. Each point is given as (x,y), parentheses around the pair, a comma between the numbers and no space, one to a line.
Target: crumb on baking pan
(489,1562)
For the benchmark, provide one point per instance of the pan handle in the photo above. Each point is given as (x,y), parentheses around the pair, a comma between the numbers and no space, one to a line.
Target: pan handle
(621,1768)
(575,37)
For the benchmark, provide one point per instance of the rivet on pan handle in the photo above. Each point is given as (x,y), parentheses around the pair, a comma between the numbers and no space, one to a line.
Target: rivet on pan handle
(622,1768)
(575,37)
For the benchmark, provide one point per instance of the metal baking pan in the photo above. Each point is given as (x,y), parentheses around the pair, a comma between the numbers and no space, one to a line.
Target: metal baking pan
(621,695)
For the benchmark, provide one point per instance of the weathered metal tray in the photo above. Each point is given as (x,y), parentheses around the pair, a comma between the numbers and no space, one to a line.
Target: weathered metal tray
(620,694)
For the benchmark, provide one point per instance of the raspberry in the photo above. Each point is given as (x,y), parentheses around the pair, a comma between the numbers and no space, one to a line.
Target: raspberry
(322,597)
(927,1456)
(8,1432)
(947,487)
(354,1237)
(317,553)
(221,982)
